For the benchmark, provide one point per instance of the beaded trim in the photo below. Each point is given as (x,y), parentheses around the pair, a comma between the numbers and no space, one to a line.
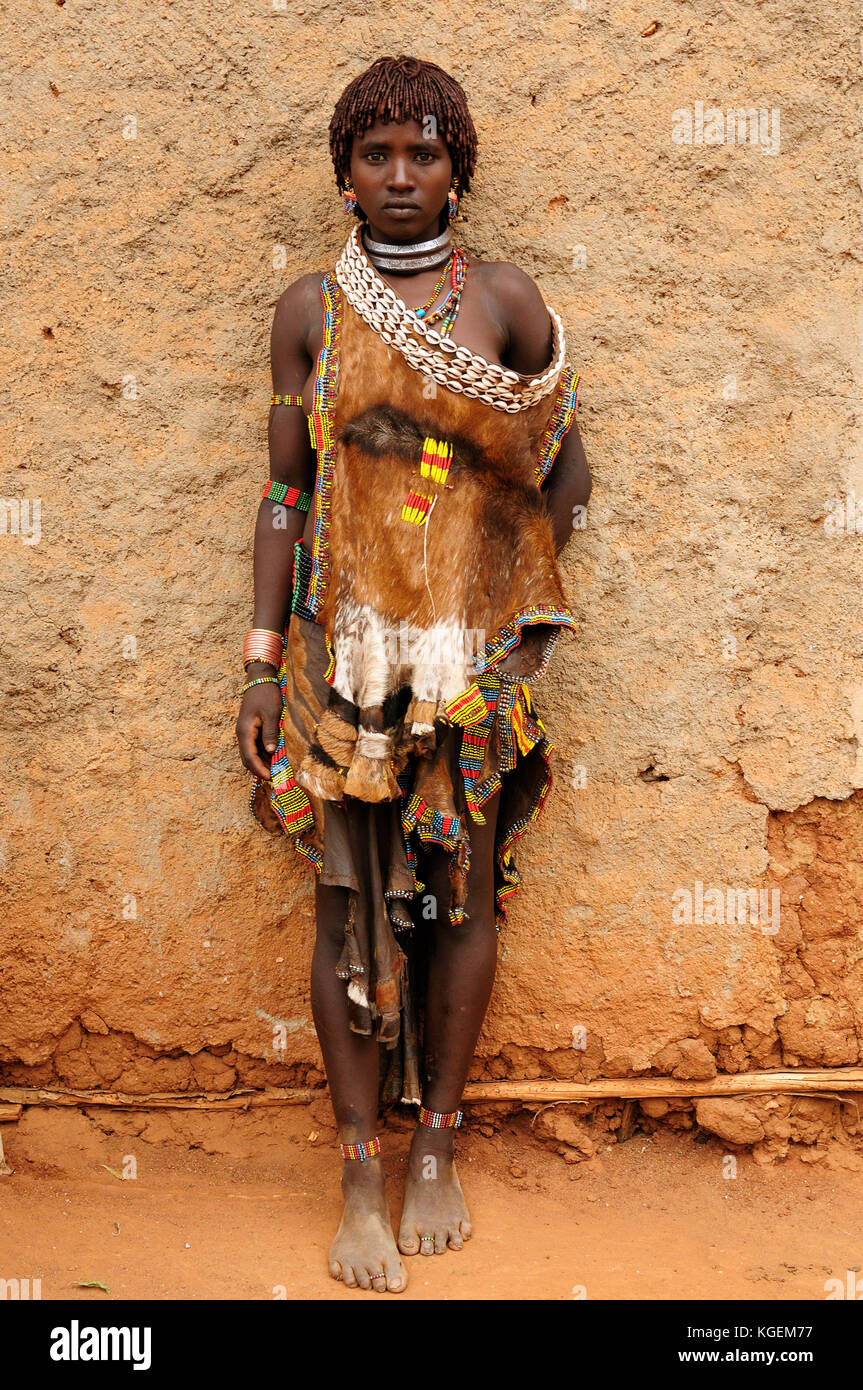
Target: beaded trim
(433,354)
(331,664)
(432,1119)
(290,802)
(287,495)
(474,742)
(276,399)
(320,430)
(508,636)
(468,708)
(433,827)
(562,416)
(362,1151)
(303,565)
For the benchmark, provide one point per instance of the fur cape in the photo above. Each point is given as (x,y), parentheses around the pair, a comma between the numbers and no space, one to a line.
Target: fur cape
(433,560)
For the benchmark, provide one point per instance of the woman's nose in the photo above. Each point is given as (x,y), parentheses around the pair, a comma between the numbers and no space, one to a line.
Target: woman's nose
(401,174)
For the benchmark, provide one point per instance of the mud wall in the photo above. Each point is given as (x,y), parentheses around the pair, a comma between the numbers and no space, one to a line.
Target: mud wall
(169,177)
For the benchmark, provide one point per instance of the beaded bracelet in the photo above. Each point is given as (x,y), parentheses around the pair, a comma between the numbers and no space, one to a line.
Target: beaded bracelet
(276,399)
(260,680)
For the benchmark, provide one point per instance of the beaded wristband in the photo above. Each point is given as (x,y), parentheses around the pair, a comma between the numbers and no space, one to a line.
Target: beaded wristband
(262,644)
(362,1151)
(287,496)
(260,680)
(276,399)
(432,1119)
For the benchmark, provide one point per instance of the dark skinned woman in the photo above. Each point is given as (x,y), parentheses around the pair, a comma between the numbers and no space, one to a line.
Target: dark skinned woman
(424,471)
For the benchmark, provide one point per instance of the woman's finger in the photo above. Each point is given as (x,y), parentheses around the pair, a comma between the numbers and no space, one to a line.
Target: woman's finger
(270,729)
(247,738)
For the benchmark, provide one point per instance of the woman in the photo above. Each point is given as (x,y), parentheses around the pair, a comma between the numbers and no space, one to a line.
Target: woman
(411,524)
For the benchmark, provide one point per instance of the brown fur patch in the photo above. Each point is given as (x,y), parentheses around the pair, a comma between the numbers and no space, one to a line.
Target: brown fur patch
(337,738)
(371,779)
(316,776)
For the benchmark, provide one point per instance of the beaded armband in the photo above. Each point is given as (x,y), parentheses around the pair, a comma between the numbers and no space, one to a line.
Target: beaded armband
(287,496)
(276,399)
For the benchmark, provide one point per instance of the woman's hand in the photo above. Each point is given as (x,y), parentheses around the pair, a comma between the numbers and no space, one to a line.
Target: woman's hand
(258,727)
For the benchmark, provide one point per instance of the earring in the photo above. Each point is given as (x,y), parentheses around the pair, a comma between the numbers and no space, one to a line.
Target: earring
(452,200)
(350,198)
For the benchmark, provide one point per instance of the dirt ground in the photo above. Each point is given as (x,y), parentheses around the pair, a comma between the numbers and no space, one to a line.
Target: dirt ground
(243,1206)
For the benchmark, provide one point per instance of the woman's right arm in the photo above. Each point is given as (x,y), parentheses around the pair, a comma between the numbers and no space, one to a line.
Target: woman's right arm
(292,461)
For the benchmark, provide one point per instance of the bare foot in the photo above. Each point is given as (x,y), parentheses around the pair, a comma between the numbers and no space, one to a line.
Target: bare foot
(434,1202)
(364,1243)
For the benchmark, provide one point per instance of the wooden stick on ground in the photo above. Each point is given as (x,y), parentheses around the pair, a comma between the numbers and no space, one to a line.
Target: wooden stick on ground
(829,1079)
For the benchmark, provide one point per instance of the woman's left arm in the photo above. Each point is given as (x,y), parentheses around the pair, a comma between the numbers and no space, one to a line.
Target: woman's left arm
(528,348)
(567,486)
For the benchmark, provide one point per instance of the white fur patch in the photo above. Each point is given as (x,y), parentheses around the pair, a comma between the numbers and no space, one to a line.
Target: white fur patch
(357,992)
(375,656)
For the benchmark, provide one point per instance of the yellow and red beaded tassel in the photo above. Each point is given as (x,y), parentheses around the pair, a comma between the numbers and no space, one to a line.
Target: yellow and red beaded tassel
(416,508)
(436,460)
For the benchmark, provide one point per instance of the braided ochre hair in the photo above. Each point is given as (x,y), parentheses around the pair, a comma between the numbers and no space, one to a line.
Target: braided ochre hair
(403,89)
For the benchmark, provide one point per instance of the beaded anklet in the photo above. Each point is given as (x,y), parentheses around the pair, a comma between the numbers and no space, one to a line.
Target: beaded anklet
(368,1149)
(432,1119)
(287,496)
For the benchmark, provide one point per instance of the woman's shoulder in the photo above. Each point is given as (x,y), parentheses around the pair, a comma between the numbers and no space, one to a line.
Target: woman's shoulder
(516,302)
(299,310)
(509,281)
(303,293)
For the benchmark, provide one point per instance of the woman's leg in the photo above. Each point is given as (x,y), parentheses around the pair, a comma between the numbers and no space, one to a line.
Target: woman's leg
(462,963)
(364,1243)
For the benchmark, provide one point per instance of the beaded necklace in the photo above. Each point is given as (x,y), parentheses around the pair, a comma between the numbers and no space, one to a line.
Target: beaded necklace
(433,353)
(422,309)
(456,268)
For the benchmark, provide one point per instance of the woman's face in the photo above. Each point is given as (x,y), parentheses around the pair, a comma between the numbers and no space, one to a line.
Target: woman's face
(401,175)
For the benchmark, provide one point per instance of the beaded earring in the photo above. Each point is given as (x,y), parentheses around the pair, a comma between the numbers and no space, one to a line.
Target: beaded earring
(452,201)
(350,198)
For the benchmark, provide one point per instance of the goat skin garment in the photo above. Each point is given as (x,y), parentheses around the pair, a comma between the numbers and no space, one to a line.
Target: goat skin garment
(423,613)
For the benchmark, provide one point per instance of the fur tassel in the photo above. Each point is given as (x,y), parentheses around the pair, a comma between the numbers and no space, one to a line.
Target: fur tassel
(326,782)
(371,779)
(336,737)
(420,719)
